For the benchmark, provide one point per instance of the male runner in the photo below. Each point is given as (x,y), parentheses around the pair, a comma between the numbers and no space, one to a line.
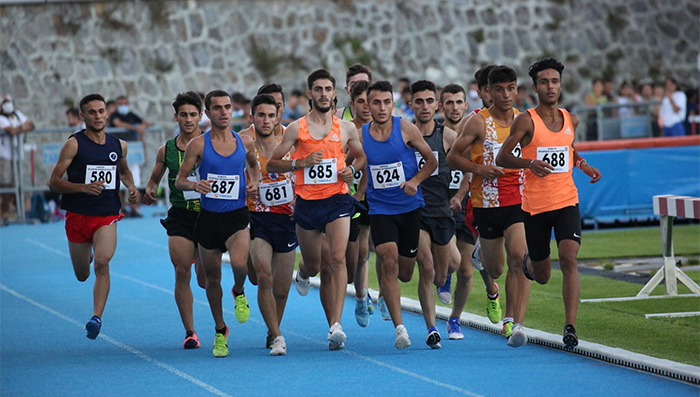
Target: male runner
(92,159)
(223,157)
(273,248)
(183,213)
(496,195)
(356,72)
(550,199)
(322,203)
(437,226)
(394,197)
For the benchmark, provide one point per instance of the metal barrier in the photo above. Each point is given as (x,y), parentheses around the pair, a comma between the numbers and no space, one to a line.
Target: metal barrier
(35,154)
(615,121)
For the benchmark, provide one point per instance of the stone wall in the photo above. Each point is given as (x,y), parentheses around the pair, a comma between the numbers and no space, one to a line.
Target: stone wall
(51,55)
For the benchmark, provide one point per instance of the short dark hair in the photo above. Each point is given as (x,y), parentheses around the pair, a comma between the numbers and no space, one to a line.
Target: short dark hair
(296,92)
(357,68)
(271,88)
(422,85)
(122,97)
(90,98)
(263,99)
(188,98)
(358,88)
(73,112)
(382,86)
(482,76)
(318,75)
(238,97)
(452,89)
(544,64)
(214,94)
(502,74)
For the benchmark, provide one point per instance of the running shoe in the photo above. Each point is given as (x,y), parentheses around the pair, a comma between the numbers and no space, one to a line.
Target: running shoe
(93,327)
(242,308)
(302,284)
(279,347)
(361,312)
(381,303)
(570,338)
(518,337)
(444,293)
(221,344)
(507,330)
(476,259)
(191,341)
(402,340)
(336,337)
(268,340)
(493,308)
(370,304)
(433,339)
(454,330)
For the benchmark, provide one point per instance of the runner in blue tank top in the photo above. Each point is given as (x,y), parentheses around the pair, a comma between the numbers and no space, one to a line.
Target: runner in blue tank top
(394,196)
(223,157)
(92,160)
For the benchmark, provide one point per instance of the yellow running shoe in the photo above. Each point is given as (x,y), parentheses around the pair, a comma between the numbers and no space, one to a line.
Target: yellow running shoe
(507,329)
(221,344)
(493,310)
(242,308)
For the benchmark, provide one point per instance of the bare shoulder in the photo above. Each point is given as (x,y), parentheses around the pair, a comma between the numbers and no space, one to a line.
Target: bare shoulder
(574,119)
(247,132)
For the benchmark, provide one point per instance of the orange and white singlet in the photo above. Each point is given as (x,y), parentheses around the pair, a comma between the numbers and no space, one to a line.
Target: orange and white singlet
(502,191)
(321,180)
(275,190)
(556,190)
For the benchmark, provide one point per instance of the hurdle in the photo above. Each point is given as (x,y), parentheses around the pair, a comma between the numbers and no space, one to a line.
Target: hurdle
(668,207)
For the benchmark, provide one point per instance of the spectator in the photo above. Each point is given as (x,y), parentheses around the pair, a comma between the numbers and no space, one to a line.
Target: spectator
(294,108)
(473,100)
(12,124)
(523,99)
(626,95)
(646,90)
(205,123)
(595,98)
(73,119)
(673,109)
(111,107)
(241,111)
(608,90)
(402,84)
(693,105)
(403,109)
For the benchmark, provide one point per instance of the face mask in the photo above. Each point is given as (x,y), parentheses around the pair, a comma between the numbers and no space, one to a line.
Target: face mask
(123,109)
(473,94)
(8,108)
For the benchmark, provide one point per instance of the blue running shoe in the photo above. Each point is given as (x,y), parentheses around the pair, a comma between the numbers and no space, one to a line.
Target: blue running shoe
(382,308)
(454,330)
(433,338)
(93,327)
(370,304)
(445,292)
(361,312)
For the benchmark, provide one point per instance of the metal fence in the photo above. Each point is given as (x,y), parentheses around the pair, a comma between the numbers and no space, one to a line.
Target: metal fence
(35,153)
(616,121)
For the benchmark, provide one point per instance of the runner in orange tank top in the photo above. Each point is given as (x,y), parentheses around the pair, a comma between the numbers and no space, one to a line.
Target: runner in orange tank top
(323,204)
(550,199)
(496,197)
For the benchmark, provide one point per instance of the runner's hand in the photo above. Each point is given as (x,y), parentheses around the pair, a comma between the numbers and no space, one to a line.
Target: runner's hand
(409,187)
(346,175)
(134,195)
(491,172)
(314,158)
(95,188)
(541,168)
(150,196)
(203,186)
(251,189)
(592,172)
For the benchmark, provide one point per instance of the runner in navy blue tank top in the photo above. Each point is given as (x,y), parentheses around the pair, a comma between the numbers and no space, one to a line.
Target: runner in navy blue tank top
(95,163)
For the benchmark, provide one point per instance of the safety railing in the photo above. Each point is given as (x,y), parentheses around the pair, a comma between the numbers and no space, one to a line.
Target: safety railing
(616,121)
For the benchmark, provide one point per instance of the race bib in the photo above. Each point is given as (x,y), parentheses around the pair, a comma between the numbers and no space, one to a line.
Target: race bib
(385,176)
(223,187)
(556,156)
(421,162)
(276,193)
(104,173)
(356,177)
(322,173)
(456,177)
(517,151)
(191,194)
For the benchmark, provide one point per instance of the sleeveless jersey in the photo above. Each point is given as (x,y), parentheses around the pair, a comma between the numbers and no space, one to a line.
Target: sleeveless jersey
(556,190)
(275,190)
(228,175)
(389,163)
(502,191)
(436,188)
(322,180)
(347,114)
(94,162)
(173,158)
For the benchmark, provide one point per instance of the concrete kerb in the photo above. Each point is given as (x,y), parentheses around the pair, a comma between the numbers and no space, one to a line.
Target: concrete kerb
(625,358)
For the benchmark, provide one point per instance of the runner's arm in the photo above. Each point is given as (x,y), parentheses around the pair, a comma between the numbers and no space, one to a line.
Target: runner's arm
(457,157)
(580,162)
(159,168)
(521,131)
(193,152)
(413,137)
(59,185)
(126,177)
(252,169)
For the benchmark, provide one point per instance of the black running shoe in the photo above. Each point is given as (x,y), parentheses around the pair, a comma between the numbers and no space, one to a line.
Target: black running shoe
(570,338)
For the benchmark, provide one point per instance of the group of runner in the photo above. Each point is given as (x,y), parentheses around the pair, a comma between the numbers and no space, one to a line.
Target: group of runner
(449,196)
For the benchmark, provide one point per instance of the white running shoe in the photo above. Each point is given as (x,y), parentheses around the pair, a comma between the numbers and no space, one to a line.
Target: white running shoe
(402,340)
(518,337)
(302,284)
(279,346)
(336,337)
(476,259)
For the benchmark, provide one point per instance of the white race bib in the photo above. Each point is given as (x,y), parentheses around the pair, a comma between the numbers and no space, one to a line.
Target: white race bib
(556,156)
(517,151)
(322,173)
(421,162)
(191,194)
(276,193)
(385,176)
(104,173)
(356,177)
(223,187)
(456,177)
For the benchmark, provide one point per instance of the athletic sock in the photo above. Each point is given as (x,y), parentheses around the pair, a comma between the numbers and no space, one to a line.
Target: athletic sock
(492,297)
(508,319)
(235,294)
(221,331)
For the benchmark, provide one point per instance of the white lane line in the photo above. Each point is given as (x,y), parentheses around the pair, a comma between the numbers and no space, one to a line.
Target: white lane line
(47,247)
(142,241)
(128,348)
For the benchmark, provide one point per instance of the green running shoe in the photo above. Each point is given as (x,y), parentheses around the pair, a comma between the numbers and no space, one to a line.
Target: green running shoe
(507,329)
(493,310)
(221,344)
(242,308)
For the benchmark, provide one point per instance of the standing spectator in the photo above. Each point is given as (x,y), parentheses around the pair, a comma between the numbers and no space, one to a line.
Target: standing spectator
(473,100)
(646,91)
(73,119)
(693,105)
(111,108)
(12,123)
(523,99)
(294,108)
(594,98)
(241,111)
(609,89)
(626,95)
(125,118)
(673,109)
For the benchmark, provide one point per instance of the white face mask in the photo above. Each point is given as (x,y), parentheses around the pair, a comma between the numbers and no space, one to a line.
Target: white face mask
(123,109)
(8,108)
